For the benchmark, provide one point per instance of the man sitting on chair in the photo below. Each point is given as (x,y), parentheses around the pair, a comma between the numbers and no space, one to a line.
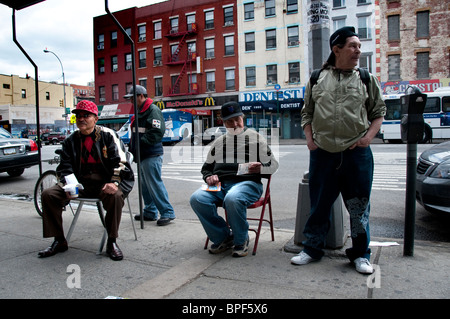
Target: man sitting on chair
(97,158)
(236,161)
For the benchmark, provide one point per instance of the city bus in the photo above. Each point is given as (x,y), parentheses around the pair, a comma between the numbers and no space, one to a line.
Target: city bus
(436,116)
(178,125)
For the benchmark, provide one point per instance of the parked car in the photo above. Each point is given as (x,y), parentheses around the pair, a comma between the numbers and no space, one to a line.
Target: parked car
(433,178)
(125,133)
(52,138)
(209,135)
(16,154)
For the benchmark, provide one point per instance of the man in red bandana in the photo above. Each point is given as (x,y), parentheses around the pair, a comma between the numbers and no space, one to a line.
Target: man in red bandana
(97,158)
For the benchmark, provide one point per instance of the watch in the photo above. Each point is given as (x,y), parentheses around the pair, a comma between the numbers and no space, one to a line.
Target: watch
(116,183)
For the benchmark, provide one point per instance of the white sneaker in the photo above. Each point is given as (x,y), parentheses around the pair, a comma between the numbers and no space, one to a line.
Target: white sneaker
(302,259)
(363,266)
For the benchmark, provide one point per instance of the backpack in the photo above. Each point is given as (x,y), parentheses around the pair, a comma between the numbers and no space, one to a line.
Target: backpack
(363,73)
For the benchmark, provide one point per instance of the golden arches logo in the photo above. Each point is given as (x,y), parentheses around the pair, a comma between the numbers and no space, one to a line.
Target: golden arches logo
(209,101)
(160,104)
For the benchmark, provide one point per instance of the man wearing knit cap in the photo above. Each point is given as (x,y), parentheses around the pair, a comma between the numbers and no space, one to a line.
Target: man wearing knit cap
(340,118)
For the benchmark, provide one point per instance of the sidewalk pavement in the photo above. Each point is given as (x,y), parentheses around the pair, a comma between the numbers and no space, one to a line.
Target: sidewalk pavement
(169,262)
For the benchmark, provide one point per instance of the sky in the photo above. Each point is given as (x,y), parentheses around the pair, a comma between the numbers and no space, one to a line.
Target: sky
(64,27)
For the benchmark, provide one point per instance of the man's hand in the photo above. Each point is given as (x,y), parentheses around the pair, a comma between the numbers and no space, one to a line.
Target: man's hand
(110,188)
(212,180)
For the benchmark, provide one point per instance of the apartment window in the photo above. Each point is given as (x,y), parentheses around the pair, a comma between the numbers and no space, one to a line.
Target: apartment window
(101,42)
(364,1)
(101,93)
(271,71)
(47,96)
(229,45)
(394,28)
(157,33)
(174,25)
(229,80)
(101,65)
(423,24)
(113,39)
(365,61)
(6,86)
(142,33)
(271,39)
(115,92)
(249,11)
(143,82)
(157,53)
(338,3)
(228,16)
(158,87)
(173,80)
(210,81)
(209,19)
(338,23)
(174,52)
(292,6)
(192,49)
(270,8)
(142,58)
(190,21)
(423,65)
(128,62)
(364,31)
(192,82)
(209,45)
(250,76)
(125,39)
(128,87)
(394,67)
(114,64)
(293,39)
(250,41)
(294,72)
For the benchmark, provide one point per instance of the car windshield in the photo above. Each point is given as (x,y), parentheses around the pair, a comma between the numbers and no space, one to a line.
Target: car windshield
(4,133)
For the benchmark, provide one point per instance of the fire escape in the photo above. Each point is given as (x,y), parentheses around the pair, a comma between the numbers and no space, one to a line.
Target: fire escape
(187,62)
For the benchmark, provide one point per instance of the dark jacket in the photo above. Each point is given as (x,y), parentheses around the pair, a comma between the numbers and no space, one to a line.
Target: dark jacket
(114,162)
(151,131)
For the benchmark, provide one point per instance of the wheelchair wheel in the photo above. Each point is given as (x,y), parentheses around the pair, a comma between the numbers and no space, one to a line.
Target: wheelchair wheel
(47,179)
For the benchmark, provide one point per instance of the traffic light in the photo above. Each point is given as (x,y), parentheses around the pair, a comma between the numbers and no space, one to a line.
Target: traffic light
(61,103)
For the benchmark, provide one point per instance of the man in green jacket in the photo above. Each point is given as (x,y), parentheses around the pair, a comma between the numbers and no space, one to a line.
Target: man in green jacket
(340,118)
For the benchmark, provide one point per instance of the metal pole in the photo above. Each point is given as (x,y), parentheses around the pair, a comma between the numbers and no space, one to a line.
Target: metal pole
(36,87)
(136,126)
(410,203)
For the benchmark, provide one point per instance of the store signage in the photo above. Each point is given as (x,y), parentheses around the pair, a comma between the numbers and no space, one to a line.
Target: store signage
(271,95)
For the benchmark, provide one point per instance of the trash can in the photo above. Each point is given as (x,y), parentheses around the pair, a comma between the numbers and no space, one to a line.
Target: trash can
(338,232)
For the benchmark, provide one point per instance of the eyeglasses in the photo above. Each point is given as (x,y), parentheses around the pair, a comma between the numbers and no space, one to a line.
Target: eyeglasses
(79,116)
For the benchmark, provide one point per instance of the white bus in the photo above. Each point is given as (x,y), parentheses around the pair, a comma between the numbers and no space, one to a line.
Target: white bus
(436,116)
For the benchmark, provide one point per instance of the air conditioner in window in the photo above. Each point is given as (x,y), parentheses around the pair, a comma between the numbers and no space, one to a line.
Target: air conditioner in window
(128,67)
(292,43)
(102,69)
(157,62)
(294,80)
(142,38)
(270,82)
(228,23)
(102,99)
(100,47)
(115,68)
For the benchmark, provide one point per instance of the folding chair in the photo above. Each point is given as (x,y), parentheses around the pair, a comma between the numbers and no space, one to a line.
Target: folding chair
(101,213)
(262,202)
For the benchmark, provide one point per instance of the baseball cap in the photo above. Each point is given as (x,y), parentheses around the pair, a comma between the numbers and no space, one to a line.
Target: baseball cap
(231,109)
(87,106)
(139,90)
(340,37)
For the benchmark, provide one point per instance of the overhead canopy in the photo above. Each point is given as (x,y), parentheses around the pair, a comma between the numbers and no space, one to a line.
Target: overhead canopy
(20,4)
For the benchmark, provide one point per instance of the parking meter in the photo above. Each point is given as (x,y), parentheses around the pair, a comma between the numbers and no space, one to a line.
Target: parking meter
(412,124)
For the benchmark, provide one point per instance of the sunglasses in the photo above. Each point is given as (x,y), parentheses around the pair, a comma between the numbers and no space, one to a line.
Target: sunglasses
(79,116)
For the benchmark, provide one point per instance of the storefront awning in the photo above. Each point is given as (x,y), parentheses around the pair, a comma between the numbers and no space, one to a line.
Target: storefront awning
(271,105)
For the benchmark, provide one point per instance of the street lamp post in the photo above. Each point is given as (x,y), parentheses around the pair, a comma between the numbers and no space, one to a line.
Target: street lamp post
(64,86)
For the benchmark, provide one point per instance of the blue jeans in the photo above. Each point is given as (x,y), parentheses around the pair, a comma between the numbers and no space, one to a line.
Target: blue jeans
(154,192)
(235,198)
(349,173)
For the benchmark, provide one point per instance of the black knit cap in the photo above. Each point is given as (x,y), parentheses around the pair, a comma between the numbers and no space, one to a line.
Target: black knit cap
(231,109)
(341,35)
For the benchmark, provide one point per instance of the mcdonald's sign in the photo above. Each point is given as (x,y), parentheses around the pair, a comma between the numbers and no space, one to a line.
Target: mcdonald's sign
(160,104)
(209,101)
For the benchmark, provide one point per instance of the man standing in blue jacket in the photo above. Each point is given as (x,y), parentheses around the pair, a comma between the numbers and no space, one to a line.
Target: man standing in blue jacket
(149,136)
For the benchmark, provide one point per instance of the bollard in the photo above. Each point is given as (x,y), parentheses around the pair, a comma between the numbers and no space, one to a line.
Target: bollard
(338,232)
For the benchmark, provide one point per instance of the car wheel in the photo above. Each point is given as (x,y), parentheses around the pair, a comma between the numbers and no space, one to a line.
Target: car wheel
(15,172)
(54,142)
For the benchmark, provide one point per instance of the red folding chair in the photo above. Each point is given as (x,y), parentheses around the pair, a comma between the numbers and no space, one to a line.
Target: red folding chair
(262,202)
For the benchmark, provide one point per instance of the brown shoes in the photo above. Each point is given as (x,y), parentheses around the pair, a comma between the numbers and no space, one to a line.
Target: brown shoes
(113,251)
(55,247)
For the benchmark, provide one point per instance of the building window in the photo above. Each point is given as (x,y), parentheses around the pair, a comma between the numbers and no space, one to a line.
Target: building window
(142,58)
(338,23)
(293,39)
(229,80)
(193,88)
(157,53)
(101,42)
(128,62)
(271,71)
(174,52)
(190,21)
(250,76)
(101,93)
(250,41)
(423,24)
(128,87)
(209,19)
(364,31)
(174,25)
(113,39)
(229,45)
(365,61)
(338,3)
(173,80)
(115,92)
(101,65)
(292,6)
(126,40)
(158,87)
(294,72)
(271,39)
(192,49)
(394,67)
(209,45)
(114,64)
(142,32)
(228,16)
(423,65)
(210,81)
(157,32)
(143,82)
(47,96)
(394,28)
(270,8)
(249,11)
